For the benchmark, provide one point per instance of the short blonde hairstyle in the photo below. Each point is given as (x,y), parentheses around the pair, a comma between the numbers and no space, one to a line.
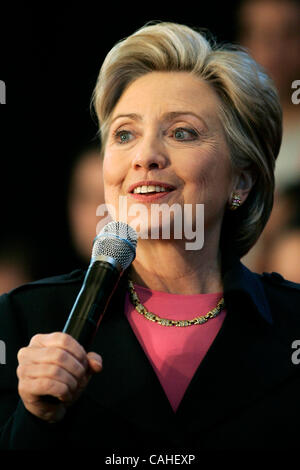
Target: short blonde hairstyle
(250,108)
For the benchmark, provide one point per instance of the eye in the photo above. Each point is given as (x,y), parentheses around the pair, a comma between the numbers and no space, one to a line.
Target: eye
(182,133)
(123,136)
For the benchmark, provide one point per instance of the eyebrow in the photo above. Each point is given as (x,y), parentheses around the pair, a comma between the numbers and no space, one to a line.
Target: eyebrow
(167,116)
(134,116)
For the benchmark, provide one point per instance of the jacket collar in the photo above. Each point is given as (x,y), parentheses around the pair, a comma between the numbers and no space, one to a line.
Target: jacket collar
(241,284)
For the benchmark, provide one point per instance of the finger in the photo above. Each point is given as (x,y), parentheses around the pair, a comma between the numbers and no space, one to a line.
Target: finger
(95,362)
(56,356)
(95,366)
(62,341)
(31,389)
(47,371)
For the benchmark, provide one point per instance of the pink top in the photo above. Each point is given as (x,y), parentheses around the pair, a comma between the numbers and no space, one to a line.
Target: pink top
(174,352)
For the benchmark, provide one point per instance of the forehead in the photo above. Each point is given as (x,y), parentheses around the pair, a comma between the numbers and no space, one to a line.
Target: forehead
(161,92)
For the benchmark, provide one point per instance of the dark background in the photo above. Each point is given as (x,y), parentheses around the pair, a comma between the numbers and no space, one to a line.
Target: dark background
(50,59)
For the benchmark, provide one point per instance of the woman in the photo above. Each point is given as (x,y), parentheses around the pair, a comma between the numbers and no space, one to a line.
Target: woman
(184,122)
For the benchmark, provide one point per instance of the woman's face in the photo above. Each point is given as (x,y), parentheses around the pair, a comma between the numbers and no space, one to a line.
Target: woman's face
(165,130)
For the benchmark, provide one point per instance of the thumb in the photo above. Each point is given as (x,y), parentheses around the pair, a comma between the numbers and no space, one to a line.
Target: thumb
(95,362)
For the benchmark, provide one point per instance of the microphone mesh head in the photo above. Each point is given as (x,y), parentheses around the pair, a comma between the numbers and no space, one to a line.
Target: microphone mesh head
(117,240)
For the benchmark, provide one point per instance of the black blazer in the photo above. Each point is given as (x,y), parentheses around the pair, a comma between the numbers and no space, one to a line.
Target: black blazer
(244,395)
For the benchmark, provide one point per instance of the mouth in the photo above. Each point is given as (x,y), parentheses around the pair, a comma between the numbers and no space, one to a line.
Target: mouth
(150,188)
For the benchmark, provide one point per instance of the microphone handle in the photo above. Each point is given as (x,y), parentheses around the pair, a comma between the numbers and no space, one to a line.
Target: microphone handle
(98,286)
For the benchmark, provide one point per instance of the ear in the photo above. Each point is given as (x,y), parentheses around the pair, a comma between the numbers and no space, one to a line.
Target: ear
(244,180)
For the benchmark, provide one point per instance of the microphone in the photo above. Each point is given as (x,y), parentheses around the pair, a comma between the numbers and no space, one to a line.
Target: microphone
(113,251)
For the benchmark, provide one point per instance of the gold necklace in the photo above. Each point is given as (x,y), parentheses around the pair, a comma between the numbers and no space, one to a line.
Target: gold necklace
(140,308)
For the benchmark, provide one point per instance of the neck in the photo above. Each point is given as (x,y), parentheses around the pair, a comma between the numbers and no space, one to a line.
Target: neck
(167,266)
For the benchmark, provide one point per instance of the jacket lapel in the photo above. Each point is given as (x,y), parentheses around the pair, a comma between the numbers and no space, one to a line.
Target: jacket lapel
(132,390)
(247,361)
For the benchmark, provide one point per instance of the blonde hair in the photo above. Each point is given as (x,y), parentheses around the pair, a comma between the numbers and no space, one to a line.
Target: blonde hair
(250,108)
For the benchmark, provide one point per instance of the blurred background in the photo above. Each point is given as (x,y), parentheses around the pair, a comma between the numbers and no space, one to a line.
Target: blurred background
(51,181)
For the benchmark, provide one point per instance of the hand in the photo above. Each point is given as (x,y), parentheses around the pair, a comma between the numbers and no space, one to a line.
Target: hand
(54,364)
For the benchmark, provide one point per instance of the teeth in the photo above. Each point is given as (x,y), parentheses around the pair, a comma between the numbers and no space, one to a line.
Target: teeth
(149,189)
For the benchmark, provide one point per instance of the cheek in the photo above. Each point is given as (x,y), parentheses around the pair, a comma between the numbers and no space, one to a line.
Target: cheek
(200,173)
(113,176)
(209,176)
(110,170)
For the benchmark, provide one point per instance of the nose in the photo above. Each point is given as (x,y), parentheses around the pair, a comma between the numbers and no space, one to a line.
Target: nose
(150,154)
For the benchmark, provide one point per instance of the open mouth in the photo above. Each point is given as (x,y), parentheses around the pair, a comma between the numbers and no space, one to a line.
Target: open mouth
(151,189)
